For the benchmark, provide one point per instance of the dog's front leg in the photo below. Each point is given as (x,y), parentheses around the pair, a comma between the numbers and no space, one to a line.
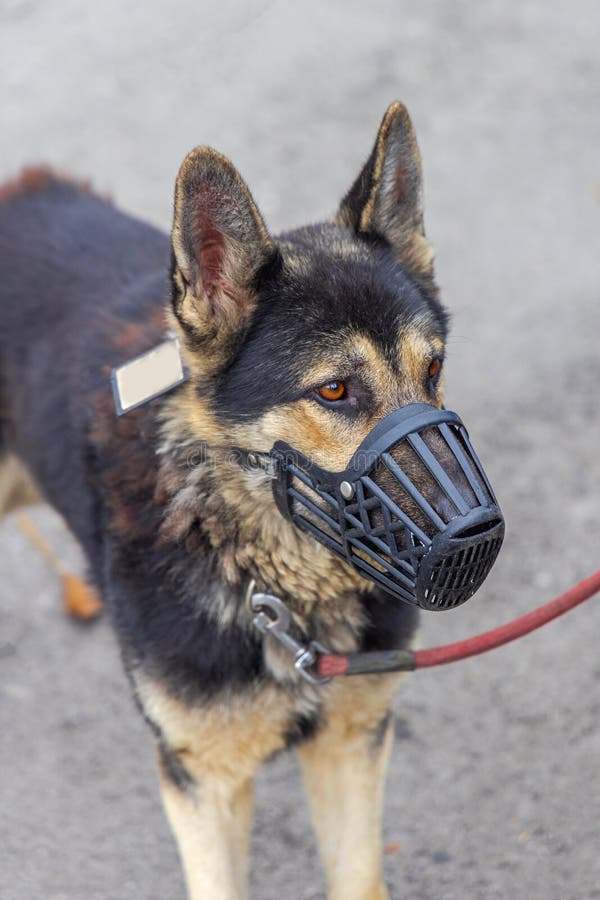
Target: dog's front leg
(344,769)
(210,817)
(209,753)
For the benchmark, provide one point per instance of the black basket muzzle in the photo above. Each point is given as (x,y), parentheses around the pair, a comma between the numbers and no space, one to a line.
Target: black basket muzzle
(413,511)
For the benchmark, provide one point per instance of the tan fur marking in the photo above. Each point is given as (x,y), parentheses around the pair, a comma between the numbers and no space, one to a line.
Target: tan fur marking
(344,771)
(220,746)
(352,352)
(225,741)
(415,352)
(17,487)
(212,829)
(309,429)
(418,254)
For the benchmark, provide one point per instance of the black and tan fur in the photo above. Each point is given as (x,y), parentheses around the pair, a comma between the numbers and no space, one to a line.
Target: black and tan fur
(173,528)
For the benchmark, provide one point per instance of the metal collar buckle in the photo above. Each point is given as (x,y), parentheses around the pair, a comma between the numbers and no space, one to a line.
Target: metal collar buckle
(271,616)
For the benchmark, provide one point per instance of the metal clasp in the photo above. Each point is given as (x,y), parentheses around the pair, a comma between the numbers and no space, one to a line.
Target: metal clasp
(271,616)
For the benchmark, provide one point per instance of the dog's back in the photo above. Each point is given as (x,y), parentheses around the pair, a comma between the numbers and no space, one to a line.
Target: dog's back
(82,288)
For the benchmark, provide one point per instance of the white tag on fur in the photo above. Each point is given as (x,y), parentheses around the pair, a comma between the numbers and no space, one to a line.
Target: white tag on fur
(148,376)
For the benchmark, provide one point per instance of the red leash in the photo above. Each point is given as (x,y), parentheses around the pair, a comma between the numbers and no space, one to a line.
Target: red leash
(329,664)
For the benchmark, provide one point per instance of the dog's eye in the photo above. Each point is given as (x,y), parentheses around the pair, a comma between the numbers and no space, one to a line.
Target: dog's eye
(435,367)
(332,391)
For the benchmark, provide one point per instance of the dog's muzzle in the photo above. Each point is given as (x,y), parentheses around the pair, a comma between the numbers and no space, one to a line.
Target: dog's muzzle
(413,511)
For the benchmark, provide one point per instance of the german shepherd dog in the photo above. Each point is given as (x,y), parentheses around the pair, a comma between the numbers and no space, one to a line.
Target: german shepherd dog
(311,337)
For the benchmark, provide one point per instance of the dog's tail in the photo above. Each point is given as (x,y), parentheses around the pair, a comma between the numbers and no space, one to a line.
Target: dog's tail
(17,489)
(79,599)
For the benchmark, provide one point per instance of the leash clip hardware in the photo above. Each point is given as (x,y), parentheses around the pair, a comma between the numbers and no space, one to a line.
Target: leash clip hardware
(271,616)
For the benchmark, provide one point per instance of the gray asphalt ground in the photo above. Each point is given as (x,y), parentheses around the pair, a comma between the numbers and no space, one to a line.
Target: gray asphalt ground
(494,788)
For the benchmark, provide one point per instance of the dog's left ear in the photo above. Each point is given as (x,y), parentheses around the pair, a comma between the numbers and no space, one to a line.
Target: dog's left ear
(386,199)
(220,243)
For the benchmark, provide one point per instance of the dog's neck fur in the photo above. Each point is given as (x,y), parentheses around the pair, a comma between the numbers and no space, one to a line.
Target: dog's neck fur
(234,512)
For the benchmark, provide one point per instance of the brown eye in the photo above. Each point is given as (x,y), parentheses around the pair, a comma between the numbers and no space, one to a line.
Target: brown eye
(435,367)
(333,390)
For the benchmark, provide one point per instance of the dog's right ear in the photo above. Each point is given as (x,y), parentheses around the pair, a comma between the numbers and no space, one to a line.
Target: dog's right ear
(220,242)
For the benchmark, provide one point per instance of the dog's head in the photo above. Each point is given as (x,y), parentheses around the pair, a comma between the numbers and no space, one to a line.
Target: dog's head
(308,341)
(314,336)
